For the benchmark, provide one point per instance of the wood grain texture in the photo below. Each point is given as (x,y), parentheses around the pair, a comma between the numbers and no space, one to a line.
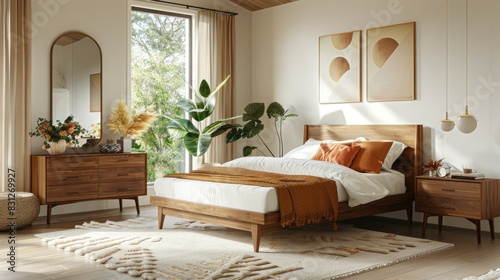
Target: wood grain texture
(255,5)
(73,178)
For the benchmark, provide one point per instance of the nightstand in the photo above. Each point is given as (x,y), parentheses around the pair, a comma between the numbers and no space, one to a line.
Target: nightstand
(474,200)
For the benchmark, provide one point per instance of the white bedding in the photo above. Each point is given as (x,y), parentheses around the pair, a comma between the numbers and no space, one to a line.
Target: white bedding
(352,186)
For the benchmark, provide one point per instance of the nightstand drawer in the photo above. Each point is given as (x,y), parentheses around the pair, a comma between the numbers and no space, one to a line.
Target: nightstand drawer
(449,206)
(447,189)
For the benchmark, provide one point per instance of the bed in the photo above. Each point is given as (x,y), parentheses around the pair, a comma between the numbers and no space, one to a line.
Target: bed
(408,164)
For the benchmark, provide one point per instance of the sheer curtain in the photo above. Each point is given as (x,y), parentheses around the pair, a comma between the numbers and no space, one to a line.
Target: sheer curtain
(15,78)
(216,52)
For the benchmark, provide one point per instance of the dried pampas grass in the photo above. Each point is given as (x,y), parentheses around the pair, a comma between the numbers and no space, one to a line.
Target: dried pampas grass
(121,122)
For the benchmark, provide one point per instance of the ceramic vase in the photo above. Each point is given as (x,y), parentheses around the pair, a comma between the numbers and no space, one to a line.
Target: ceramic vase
(126,143)
(57,148)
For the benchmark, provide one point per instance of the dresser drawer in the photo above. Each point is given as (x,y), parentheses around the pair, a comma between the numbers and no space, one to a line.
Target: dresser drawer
(71,163)
(127,160)
(73,177)
(122,174)
(64,193)
(122,189)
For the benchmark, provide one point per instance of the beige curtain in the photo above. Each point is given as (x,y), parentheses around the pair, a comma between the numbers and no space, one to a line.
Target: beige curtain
(15,78)
(216,52)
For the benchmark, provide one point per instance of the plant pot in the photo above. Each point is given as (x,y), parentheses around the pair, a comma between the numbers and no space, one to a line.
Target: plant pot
(57,148)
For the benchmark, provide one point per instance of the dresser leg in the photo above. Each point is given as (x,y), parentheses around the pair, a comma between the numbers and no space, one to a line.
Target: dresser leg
(440,223)
(136,199)
(121,205)
(49,213)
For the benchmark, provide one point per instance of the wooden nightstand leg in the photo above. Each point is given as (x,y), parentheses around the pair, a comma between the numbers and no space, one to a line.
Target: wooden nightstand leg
(440,223)
(424,224)
(492,228)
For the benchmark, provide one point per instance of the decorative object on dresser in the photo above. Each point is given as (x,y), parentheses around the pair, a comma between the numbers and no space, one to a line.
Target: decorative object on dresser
(474,200)
(57,180)
(58,135)
(432,166)
(121,122)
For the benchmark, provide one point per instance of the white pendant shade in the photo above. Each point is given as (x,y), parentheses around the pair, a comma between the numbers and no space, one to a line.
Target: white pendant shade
(466,123)
(446,125)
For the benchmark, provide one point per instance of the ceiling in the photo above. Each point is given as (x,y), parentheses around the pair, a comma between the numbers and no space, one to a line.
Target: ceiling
(255,5)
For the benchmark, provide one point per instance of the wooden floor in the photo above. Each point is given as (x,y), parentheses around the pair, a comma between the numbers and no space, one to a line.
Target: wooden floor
(36,261)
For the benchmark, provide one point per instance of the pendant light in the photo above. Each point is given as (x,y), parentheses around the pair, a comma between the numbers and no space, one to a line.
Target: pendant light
(446,124)
(466,123)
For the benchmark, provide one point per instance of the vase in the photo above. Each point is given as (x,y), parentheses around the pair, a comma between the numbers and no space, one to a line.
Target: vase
(432,172)
(57,148)
(126,143)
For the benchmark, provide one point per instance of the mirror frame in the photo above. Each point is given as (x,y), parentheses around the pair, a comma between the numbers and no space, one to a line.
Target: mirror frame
(52,77)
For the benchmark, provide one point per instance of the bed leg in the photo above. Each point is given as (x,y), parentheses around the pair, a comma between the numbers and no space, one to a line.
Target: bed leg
(161,217)
(409,214)
(256,231)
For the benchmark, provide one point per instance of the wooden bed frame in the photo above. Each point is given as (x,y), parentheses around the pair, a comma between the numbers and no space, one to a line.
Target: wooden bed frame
(409,163)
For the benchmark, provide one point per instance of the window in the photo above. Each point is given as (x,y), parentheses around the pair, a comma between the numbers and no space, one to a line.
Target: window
(161,50)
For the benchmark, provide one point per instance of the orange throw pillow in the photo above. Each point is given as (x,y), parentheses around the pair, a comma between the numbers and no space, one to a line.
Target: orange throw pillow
(371,156)
(336,153)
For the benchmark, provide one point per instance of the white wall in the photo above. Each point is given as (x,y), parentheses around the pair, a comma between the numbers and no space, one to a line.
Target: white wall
(106,21)
(285,69)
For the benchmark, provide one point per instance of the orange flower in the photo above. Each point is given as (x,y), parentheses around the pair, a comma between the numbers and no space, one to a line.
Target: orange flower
(63,133)
(44,147)
(70,144)
(71,130)
(47,137)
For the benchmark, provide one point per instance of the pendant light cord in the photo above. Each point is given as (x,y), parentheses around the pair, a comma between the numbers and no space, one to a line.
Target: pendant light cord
(466,53)
(446,60)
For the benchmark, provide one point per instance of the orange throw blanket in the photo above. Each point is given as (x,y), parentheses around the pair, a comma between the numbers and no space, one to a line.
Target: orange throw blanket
(302,199)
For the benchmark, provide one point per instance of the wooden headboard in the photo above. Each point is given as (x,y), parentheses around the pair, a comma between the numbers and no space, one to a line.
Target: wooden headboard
(410,161)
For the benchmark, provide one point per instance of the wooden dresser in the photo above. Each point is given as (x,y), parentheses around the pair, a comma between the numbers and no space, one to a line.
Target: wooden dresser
(72,178)
(474,200)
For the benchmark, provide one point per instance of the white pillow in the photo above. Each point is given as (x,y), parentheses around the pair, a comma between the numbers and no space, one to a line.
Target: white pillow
(395,151)
(307,150)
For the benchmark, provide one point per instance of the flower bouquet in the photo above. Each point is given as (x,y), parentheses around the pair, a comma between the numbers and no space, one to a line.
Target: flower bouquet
(68,131)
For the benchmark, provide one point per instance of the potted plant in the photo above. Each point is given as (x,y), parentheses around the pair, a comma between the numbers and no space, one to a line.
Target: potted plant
(123,123)
(432,166)
(254,126)
(58,135)
(196,136)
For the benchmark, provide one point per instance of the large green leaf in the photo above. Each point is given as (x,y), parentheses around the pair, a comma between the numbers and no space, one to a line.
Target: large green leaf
(253,111)
(234,134)
(180,127)
(275,110)
(252,128)
(197,144)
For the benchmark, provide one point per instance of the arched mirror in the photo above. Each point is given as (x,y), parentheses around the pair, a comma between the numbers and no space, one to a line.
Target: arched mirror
(76,83)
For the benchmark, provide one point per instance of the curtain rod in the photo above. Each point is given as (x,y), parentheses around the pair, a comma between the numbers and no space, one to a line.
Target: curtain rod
(196,7)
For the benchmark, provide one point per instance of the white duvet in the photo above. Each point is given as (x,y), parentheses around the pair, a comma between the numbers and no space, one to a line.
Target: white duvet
(361,187)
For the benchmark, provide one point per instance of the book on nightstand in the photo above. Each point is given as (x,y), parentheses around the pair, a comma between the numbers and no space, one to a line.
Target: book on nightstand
(468,176)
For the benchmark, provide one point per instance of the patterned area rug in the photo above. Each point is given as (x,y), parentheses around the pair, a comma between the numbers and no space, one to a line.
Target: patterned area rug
(193,250)
(491,275)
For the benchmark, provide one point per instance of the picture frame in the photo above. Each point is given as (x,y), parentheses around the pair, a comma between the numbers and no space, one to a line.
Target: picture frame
(340,68)
(390,62)
(95,92)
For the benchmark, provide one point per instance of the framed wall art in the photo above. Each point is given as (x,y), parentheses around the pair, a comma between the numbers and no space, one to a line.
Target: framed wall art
(340,67)
(390,62)
(95,92)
